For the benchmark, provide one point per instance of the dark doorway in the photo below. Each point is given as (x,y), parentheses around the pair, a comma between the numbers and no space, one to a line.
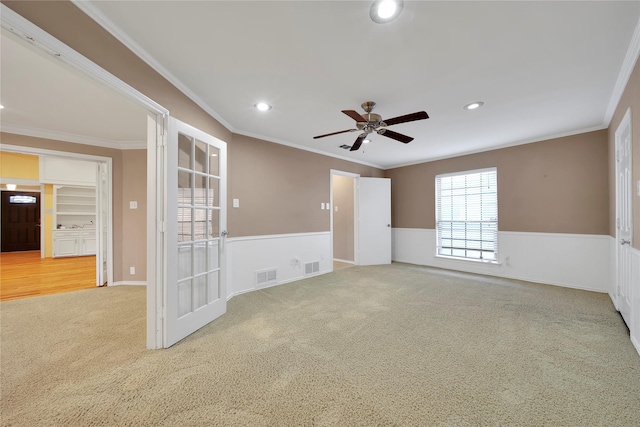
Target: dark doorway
(20,221)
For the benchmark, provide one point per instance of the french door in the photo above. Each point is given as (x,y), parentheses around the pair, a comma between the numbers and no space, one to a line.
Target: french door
(624,220)
(195,203)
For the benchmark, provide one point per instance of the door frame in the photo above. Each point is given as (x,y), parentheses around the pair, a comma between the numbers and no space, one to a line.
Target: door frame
(155,135)
(355,176)
(624,123)
(43,152)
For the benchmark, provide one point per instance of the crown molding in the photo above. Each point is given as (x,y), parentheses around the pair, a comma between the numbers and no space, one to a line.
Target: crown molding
(76,139)
(630,59)
(304,148)
(101,19)
(502,146)
(31,33)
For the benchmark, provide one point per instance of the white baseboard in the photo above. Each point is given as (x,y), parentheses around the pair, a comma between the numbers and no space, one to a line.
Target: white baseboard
(344,261)
(634,327)
(571,260)
(129,283)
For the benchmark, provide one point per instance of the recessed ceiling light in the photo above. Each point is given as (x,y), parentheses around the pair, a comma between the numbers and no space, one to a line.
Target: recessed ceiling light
(263,106)
(366,141)
(383,11)
(473,105)
(1,106)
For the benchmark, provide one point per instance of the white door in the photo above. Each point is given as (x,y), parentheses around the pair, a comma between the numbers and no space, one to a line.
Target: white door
(374,221)
(624,221)
(102,219)
(194,290)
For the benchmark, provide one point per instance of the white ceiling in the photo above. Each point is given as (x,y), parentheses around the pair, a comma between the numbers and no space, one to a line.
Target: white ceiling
(44,97)
(543,69)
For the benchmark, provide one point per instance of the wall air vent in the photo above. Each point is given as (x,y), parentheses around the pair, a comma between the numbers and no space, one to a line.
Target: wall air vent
(266,277)
(311,268)
(346,147)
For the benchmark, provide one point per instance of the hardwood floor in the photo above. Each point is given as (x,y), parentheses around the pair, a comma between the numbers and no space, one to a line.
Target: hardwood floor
(25,274)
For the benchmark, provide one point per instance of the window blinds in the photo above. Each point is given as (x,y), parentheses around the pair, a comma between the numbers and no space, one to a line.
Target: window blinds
(467,215)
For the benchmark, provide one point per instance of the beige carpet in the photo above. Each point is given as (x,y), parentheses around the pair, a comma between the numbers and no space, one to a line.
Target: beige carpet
(395,345)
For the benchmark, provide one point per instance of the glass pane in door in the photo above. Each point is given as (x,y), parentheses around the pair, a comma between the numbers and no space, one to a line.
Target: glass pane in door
(198,224)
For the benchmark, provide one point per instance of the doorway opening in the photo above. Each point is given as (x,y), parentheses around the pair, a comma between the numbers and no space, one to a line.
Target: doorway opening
(343,219)
(51,223)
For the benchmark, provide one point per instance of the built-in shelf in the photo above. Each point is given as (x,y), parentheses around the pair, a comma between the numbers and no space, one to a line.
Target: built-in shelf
(75,220)
(75,207)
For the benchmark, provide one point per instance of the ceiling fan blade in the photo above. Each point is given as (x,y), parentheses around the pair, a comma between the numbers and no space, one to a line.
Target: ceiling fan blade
(354,115)
(420,115)
(356,145)
(395,135)
(335,133)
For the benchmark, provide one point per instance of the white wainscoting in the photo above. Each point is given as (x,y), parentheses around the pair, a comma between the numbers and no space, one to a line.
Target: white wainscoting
(579,261)
(613,291)
(635,299)
(288,253)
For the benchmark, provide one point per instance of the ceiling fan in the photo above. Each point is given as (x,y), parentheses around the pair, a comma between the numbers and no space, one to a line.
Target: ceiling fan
(372,122)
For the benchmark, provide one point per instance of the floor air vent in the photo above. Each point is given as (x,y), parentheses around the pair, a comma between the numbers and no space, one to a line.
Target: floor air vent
(311,267)
(266,277)
(345,147)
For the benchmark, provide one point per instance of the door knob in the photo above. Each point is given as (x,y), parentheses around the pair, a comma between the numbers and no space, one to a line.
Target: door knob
(224,233)
(388,225)
(625,242)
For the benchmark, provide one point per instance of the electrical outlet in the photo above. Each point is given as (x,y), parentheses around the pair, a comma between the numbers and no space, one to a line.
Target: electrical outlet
(132,270)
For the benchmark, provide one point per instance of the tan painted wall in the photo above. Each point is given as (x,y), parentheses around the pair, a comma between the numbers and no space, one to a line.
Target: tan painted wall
(343,220)
(134,221)
(554,186)
(70,25)
(280,188)
(630,99)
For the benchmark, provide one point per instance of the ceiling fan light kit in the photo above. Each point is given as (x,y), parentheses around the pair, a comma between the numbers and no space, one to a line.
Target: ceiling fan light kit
(372,122)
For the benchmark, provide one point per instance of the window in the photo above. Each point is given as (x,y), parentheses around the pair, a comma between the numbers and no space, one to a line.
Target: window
(467,215)
(22,199)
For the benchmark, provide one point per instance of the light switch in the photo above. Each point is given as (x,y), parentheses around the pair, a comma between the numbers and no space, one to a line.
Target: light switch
(133,204)
(322,205)
(236,203)
(328,206)
(639,187)
(336,208)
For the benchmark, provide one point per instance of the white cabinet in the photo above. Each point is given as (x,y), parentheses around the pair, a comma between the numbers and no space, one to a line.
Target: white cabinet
(68,243)
(88,243)
(75,218)
(65,243)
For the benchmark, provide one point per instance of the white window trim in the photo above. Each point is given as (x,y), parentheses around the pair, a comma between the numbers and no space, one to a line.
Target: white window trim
(461,258)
